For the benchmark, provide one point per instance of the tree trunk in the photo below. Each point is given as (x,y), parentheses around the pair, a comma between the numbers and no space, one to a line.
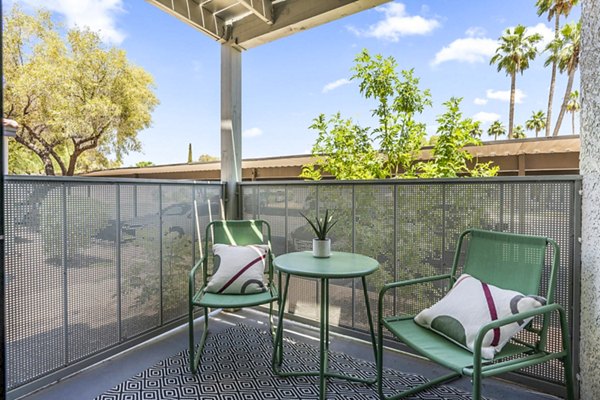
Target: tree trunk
(537,131)
(573,122)
(48,166)
(552,82)
(73,161)
(563,108)
(511,111)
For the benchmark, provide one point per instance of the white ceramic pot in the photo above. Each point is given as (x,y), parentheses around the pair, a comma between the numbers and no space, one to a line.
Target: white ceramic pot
(321,248)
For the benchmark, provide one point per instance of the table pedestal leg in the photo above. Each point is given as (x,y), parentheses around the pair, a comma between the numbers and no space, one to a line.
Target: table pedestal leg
(324,345)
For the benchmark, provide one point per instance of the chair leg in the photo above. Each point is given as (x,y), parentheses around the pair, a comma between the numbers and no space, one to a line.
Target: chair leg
(196,354)
(568,366)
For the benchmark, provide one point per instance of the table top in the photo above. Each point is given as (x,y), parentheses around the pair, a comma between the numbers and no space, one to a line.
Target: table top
(339,265)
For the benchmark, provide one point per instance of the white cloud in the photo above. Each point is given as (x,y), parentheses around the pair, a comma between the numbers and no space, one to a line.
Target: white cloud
(479,101)
(470,50)
(475,31)
(98,15)
(252,132)
(397,23)
(486,117)
(504,95)
(335,84)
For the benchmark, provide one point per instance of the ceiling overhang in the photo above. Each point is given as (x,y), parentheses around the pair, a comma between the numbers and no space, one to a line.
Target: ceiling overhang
(250,23)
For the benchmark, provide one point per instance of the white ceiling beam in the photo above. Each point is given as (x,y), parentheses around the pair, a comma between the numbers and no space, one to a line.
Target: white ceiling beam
(193,14)
(292,16)
(263,9)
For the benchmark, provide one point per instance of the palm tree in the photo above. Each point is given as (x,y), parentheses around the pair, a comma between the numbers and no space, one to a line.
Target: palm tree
(496,129)
(513,55)
(565,52)
(554,8)
(536,122)
(573,106)
(519,132)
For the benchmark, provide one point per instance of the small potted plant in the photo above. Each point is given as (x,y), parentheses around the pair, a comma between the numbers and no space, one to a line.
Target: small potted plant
(321,226)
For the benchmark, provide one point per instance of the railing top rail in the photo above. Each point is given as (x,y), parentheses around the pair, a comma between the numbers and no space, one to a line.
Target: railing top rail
(496,179)
(91,180)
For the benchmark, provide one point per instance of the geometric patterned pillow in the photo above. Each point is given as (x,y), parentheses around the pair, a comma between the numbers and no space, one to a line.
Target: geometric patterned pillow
(239,269)
(470,305)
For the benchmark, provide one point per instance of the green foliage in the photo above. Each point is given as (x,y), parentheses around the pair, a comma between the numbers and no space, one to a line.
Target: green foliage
(536,122)
(141,164)
(347,151)
(21,161)
(513,55)
(519,132)
(516,50)
(449,156)
(207,158)
(573,106)
(321,226)
(564,51)
(79,105)
(342,149)
(496,129)
(398,100)
(555,8)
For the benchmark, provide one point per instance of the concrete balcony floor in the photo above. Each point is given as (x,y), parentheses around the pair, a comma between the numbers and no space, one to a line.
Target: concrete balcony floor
(98,379)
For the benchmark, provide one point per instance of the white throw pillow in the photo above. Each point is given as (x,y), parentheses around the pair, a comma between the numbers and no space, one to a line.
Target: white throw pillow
(469,306)
(239,269)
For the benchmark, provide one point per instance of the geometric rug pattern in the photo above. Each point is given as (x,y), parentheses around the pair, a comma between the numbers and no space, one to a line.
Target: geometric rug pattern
(236,364)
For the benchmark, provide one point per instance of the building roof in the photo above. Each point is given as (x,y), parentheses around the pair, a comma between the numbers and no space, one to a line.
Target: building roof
(250,23)
(500,148)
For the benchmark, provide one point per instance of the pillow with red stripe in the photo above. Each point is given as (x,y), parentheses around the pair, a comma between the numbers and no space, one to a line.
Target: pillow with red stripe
(238,269)
(470,305)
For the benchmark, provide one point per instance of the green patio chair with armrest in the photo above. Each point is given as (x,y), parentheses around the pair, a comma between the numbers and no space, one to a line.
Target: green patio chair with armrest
(239,233)
(508,261)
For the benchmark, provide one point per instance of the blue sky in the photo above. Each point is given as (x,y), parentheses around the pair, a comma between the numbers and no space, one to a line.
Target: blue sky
(288,82)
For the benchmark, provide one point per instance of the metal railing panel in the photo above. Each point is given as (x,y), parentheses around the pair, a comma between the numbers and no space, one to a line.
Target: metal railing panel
(89,264)
(412,226)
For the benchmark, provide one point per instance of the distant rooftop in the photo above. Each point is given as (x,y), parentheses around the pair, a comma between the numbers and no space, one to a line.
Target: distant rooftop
(554,155)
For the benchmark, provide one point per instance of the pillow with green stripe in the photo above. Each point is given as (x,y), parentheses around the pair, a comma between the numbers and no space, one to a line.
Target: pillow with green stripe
(470,305)
(238,269)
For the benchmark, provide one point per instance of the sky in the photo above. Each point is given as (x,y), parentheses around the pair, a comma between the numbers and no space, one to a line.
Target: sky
(289,82)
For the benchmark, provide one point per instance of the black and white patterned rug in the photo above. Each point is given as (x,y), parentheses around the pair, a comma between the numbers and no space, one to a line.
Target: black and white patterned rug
(236,364)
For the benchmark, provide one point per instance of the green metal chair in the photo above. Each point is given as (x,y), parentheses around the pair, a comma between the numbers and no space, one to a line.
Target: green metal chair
(240,233)
(509,261)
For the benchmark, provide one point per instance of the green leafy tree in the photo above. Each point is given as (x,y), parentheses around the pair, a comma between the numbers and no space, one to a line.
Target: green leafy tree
(565,52)
(207,158)
(573,106)
(513,56)
(399,100)
(142,164)
(79,105)
(343,149)
(554,9)
(519,132)
(536,122)
(496,129)
(449,158)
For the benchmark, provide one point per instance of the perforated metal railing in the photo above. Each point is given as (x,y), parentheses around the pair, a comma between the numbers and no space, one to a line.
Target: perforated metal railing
(411,227)
(94,266)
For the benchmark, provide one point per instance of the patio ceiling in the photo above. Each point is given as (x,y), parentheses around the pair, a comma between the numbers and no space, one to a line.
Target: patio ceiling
(249,23)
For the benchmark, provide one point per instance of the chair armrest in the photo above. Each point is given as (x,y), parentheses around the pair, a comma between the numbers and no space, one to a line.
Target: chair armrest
(409,282)
(192,277)
(512,319)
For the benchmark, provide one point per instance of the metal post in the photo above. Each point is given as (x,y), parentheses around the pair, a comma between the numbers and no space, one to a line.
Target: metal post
(118,243)
(160,243)
(231,125)
(65,263)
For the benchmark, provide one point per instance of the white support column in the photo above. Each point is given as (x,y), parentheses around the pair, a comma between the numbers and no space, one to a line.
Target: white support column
(590,169)
(231,125)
